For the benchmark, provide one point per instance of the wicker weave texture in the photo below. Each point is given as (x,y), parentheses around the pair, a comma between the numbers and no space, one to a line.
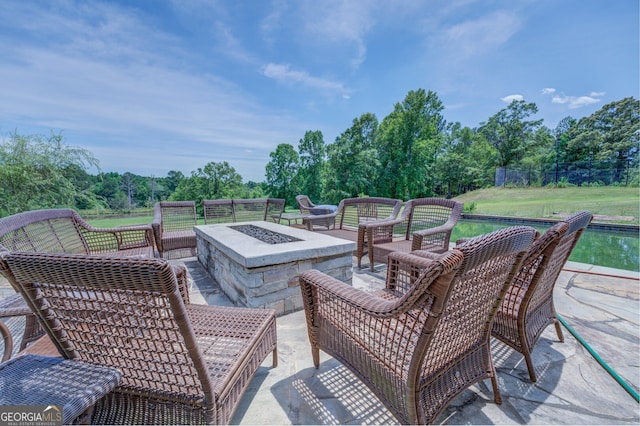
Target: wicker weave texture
(73,386)
(424,224)
(180,363)
(242,210)
(304,204)
(61,231)
(424,338)
(528,306)
(173,223)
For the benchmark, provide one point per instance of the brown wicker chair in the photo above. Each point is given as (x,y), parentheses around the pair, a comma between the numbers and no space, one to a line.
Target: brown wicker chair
(61,231)
(180,363)
(243,210)
(424,224)
(528,306)
(304,204)
(173,223)
(425,338)
(351,213)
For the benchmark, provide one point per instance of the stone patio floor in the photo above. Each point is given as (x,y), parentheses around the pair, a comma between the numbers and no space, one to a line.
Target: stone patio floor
(601,305)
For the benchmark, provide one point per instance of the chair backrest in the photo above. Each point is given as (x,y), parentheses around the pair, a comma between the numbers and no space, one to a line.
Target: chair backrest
(304,204)
(469,304)
(125,313)
(351,212)
(175,215)
(242,210)
(218,211)
(541,267)
(426,213)
(275,207)
(248,210)
(48,231)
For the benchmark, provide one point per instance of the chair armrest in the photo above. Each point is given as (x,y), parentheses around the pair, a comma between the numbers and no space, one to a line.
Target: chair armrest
(183,282)
(379,231)
(424,238)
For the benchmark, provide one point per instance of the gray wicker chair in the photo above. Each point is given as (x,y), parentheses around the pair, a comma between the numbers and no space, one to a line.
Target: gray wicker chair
(528,306)
(424,224)
(180,363)
(173,223)
(304,204)
(61,231)
(424,339)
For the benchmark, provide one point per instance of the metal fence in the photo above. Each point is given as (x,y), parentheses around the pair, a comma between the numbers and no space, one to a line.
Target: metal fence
(585,173)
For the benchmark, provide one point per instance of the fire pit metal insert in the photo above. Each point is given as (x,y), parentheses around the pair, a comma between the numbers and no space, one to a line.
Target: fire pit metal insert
(264,235)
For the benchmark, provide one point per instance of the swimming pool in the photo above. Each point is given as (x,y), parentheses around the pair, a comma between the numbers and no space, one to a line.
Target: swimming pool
(620,250)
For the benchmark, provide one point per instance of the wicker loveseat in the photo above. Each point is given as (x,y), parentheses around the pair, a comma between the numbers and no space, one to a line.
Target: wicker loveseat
(242,210)
(351,213)
(181,363)
(62,231)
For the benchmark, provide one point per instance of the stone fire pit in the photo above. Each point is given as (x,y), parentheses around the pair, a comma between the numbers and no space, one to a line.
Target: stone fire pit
(257,264)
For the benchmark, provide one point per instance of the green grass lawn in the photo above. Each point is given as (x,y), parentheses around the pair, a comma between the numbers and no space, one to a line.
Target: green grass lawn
(622,205)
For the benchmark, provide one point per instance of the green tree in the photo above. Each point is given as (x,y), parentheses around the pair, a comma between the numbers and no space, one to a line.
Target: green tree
(32,172)
(353,162)
(281,172)
(407,143)
(510,133)
(310,175)
(610,134)
(211,182)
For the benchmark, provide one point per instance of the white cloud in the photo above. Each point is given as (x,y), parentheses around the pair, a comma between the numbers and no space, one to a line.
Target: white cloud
(548,90)
(574,102)
(510,98)
(481,35)
(284,74)
(339,22)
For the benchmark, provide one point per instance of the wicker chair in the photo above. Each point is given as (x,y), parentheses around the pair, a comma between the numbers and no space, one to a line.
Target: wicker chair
(61,231)
(528,306)
(304,204)
(173,223)
(242,210)
(351,213)
(424,224)
(425,338)
(180,363)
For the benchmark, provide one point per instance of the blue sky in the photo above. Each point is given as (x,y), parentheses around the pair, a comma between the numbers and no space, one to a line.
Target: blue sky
(150,86)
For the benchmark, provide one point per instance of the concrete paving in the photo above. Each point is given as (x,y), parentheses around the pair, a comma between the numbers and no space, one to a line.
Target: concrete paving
(600,305)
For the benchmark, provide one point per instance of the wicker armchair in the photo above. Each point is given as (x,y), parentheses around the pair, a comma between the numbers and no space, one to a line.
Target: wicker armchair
(173,223)
(61,231)
(528,306)
(424,338)
(180,363)
(304,204)
(424,224)
(351,213)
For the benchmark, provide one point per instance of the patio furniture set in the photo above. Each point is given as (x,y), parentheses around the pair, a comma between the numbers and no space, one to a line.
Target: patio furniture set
(106,303)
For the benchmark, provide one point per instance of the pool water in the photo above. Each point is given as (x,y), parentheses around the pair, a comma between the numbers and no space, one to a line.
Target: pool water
(602,248)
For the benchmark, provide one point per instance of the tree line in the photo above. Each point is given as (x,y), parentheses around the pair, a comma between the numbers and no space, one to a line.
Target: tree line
(413,152)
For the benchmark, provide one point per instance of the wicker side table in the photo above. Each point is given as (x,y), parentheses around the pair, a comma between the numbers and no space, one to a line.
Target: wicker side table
(72,386)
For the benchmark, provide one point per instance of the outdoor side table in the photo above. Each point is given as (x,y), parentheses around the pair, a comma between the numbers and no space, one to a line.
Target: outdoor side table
(289,217)
(72,386)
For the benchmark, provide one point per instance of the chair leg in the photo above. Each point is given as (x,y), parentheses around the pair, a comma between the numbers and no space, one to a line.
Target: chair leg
(529,362)
(497,396)
(558,330)
(315,353)
(275,356)
(8,341)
